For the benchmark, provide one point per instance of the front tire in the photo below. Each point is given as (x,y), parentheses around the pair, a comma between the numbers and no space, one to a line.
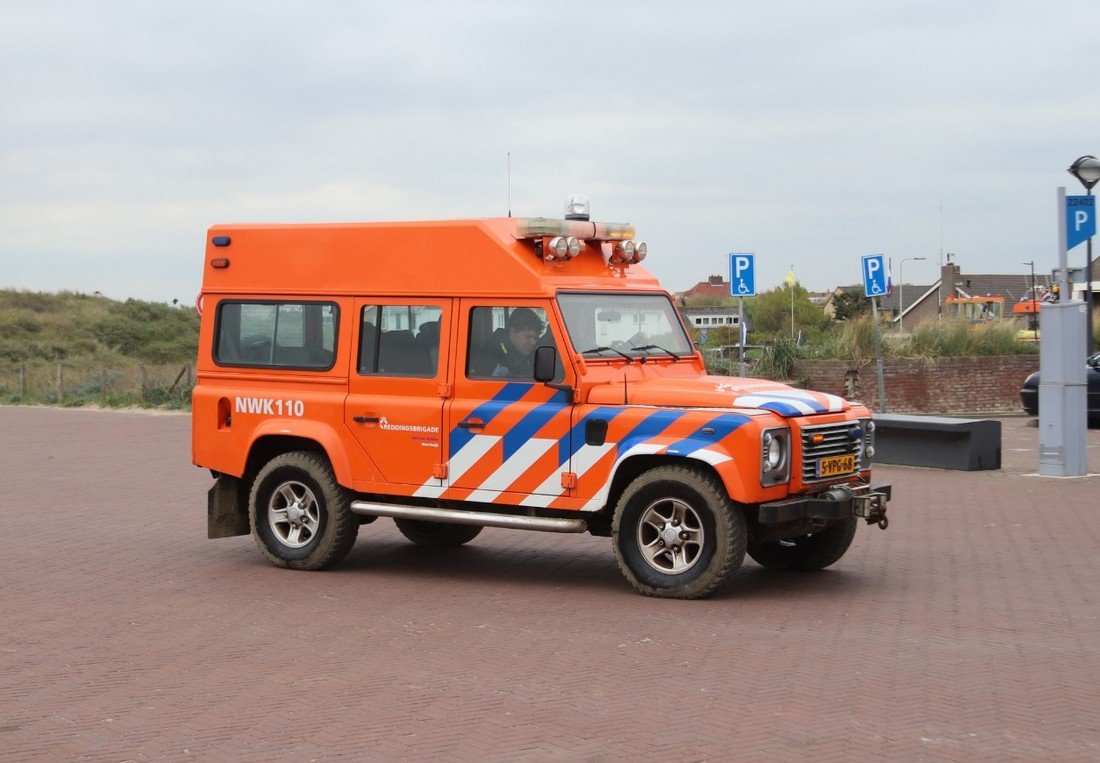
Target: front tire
(300,516)
(807,552)
(677,534)
(437,534)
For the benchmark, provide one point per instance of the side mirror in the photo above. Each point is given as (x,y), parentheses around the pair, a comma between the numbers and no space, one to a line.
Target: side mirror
(546,364)
(546,360)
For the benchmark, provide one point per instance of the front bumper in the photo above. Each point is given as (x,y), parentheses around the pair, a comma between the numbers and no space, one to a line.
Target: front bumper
(1029,399)
(838,502)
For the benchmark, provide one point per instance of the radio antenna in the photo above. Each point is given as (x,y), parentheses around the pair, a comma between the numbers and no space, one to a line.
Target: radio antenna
(509,183)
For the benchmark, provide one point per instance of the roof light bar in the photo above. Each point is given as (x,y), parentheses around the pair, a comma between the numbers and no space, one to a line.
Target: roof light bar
(542,227)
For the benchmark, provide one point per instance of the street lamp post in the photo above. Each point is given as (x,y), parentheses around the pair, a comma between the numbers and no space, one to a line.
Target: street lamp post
(901,291)
(1087,170)
(1034,314)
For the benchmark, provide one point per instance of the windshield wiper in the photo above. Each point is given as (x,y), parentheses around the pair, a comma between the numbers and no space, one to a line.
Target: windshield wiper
(606,349)
(656,347)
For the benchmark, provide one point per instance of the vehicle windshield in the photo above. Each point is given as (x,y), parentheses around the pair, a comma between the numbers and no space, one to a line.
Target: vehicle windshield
(628,325)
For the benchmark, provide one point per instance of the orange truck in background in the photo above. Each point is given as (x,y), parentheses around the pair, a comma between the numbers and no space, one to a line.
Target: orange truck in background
(523,373)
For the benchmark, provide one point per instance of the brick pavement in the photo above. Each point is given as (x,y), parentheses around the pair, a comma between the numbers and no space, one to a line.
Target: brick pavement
(966,631)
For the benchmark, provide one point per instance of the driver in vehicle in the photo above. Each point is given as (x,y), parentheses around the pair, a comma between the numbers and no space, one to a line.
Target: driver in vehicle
(516,344)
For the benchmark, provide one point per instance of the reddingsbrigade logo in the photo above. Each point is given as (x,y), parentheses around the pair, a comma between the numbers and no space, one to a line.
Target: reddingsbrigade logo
(384,423)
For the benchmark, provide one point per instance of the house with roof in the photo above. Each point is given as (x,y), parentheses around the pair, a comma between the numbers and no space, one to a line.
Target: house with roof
(910,304)
(928,302)
(715,288)
(708,305)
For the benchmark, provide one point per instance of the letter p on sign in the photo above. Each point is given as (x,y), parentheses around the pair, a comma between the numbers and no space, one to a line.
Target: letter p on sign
(1080,219)
(742,275)
(874,275)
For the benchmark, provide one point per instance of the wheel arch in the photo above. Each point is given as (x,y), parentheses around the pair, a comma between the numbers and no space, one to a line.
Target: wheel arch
(633,466)
(267,445)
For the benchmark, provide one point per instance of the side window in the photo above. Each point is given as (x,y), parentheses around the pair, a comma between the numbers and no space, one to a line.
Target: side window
(399,340)
(276,334)
(503,341)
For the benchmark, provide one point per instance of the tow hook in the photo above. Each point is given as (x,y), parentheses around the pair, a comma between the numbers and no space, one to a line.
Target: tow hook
(872,507)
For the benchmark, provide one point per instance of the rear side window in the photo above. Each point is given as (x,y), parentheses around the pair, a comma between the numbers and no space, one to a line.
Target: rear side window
(276,334)
(399,340)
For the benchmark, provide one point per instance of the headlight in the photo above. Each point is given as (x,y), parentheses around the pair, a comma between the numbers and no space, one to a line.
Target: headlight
(774,455)
(867,444)
(775,448)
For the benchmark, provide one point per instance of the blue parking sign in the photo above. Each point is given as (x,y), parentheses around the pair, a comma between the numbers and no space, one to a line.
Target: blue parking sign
(874,275)
(742,275)
(1080,220)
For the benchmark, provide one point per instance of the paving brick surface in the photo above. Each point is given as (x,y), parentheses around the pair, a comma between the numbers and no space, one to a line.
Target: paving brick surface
(966,631)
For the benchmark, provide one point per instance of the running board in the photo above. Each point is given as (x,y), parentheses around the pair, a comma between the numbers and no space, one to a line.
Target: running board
(485,519)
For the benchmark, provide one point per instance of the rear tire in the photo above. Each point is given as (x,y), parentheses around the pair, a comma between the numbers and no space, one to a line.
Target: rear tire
(300,516)
(437,534)
(807,552)
(677,534)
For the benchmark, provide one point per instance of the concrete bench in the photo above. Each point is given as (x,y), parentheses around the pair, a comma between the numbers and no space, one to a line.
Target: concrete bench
(937,441)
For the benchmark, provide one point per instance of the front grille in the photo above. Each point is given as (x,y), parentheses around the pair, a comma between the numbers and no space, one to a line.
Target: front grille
(837,441)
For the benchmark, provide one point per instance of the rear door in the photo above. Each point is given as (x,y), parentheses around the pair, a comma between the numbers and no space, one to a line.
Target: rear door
(397,388)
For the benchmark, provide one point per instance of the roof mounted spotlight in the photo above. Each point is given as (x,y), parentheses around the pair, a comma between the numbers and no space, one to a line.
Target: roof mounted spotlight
(639,253)
(561,248)
(578,208)
(622,253)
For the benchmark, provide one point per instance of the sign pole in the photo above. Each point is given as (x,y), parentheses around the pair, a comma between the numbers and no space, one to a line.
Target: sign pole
(741,332)
(1088,284)
(875,284)
(742,284)
(878,358)
(1062,384)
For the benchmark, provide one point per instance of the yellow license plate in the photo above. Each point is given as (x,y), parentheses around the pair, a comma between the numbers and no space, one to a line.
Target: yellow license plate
(836,465)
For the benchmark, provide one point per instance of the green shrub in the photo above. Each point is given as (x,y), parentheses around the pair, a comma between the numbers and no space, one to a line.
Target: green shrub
(959,338)
(777,360)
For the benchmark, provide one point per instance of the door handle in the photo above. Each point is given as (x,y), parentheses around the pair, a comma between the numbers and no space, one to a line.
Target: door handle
(472,424)
(366,419)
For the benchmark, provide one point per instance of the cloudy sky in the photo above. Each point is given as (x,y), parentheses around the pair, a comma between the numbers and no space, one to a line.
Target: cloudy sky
(810,133)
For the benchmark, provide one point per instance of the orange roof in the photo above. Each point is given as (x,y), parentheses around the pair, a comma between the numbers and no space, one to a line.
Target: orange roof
(713,287)
(469,257)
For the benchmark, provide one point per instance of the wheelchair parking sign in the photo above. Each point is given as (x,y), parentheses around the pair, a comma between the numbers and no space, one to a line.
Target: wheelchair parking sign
(742,275)
(874,275)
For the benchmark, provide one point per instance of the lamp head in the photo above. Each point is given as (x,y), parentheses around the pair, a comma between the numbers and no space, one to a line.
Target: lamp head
(1087,170)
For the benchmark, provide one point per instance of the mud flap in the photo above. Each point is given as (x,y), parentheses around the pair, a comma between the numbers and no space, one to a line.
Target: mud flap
(227,508)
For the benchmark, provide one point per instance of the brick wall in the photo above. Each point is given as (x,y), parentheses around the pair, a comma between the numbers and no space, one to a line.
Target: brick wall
(934,385)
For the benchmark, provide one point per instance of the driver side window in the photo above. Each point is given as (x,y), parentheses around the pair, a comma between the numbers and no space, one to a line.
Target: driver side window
(503,341)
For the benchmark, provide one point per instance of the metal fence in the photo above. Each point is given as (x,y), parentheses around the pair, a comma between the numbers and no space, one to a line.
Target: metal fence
(82,384)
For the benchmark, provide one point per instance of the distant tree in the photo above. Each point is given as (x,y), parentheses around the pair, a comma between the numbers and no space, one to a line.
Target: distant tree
(769,314)
(850,304)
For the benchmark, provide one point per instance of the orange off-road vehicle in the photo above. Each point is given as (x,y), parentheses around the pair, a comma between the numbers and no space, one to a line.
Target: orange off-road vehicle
(524,373)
